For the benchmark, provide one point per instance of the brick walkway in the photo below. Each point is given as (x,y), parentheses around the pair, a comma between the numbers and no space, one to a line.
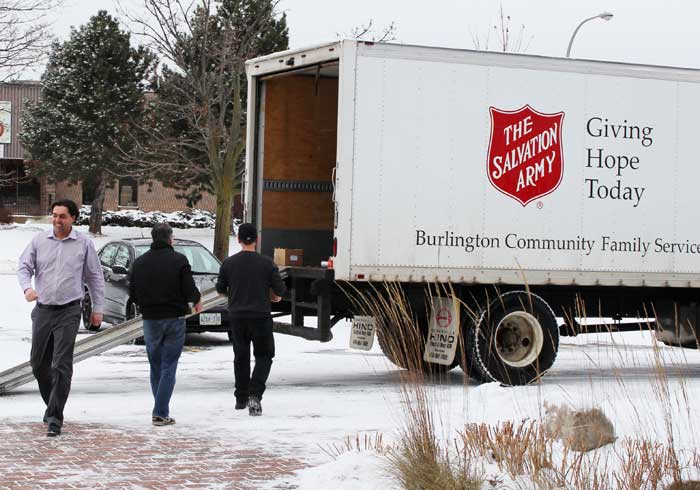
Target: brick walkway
(92,456)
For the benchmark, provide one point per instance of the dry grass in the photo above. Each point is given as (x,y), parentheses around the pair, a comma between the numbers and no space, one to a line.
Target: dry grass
(518,449)
(367,442)
(419,460)
(421,466)
(524,453)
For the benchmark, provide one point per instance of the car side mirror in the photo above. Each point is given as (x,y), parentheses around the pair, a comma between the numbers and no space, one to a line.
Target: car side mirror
(119,269)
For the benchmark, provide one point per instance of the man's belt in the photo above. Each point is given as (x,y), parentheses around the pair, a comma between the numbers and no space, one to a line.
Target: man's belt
(58,307)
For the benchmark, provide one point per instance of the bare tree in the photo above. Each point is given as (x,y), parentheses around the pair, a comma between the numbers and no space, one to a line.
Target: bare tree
(25,34)
(197,133)
(366,32)
(503,36)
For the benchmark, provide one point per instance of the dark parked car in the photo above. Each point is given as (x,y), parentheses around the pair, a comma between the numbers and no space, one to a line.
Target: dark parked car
(117,257)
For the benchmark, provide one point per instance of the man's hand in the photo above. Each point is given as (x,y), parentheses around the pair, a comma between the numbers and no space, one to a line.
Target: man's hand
(198,307)
(30,295)
(274,298)
(96,319)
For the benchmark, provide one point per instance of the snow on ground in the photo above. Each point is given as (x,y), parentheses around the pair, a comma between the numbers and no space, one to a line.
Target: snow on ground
(352,470)
(319,394)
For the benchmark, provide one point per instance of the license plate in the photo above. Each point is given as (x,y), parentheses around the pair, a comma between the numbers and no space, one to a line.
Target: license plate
(210,318)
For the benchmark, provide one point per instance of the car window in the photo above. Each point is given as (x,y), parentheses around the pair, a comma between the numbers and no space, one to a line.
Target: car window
(201,260)
(187,252)
(122,257)
(108,254)
(140,250)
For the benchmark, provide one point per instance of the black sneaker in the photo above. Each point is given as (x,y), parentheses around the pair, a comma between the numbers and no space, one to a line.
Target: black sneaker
(241,404)
(254,406)
(161,421)
(53,431)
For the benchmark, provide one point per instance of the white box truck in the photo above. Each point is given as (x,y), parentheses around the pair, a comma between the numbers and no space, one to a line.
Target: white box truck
(529,185)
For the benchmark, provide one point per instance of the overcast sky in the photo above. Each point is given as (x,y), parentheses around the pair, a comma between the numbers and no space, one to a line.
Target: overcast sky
(641,31)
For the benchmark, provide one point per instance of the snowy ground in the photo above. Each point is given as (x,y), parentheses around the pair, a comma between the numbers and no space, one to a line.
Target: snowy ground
(319,394)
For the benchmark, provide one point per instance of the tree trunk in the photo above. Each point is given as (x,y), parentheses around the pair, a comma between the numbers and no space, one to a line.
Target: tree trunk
(222,228)
(224,201)
(98,202)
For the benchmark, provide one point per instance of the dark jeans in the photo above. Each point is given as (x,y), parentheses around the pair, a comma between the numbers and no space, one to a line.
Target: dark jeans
(259,332)
(51,358)
(164,342)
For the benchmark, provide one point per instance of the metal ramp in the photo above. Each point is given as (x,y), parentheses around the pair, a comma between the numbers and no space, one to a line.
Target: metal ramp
(97,343)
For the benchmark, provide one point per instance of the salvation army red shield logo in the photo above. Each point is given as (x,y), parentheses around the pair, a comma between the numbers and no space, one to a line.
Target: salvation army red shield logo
(525,158)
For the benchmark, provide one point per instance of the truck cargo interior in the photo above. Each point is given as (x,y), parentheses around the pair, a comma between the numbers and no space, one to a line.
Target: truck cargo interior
(295,157)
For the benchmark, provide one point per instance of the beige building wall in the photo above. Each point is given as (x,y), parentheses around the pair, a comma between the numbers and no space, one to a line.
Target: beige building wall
(65,190)
(155,197)
(47,195)
(111,198)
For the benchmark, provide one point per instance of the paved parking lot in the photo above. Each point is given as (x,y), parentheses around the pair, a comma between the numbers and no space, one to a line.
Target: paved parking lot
(93,456)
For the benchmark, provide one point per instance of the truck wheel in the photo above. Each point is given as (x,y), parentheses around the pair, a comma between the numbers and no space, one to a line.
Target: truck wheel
(408,354)
(515,340)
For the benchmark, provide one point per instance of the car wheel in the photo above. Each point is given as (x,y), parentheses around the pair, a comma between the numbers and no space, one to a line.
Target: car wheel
(86,312)
(132,311)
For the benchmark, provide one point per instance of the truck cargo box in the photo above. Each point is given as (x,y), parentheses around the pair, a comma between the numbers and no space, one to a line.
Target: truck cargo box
(463,166)
(530,191)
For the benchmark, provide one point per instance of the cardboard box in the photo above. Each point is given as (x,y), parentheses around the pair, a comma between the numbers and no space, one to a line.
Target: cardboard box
(289,256)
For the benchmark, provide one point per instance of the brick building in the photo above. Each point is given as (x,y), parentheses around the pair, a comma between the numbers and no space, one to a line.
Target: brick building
(23,195)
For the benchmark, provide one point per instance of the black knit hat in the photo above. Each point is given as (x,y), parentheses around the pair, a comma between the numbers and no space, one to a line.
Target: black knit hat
(247,233)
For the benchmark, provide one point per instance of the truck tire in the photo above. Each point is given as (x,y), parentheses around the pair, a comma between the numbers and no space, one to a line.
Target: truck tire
(464,355)
(677,324)
(515,340)
(396,350)
(386,344)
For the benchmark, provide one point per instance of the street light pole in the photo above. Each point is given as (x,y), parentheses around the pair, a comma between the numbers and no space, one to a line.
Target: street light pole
(603,15)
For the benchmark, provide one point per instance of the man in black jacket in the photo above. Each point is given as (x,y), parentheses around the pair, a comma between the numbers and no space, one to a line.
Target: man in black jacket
(161,285)
(251,281)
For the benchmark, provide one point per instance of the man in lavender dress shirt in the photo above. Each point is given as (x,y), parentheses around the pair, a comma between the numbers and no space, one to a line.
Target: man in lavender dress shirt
(62,262)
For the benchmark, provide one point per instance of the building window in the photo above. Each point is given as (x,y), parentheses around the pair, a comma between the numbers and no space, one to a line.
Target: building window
(19,192)
(128,192)
(88,190)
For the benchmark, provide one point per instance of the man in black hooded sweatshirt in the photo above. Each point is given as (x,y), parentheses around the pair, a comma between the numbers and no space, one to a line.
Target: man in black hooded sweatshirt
(161,285)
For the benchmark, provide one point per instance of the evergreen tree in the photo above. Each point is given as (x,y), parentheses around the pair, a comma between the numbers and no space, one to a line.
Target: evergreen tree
(93,94)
